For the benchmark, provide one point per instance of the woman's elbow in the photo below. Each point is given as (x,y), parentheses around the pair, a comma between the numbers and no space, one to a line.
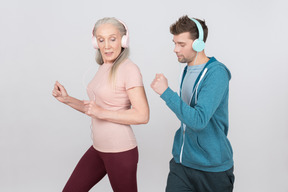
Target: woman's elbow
(144,118)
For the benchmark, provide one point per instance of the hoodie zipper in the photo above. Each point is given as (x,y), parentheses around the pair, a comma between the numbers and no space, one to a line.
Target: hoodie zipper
(181,153)
(183,125)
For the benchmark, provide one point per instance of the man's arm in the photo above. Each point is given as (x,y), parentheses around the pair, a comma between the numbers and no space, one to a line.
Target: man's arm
(210,95)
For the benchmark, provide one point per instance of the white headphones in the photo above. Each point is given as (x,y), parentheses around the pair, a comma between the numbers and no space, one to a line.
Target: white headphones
(124,40)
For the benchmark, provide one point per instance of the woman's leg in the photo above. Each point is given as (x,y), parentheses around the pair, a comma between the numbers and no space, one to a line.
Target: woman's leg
(89,171)
(122,170)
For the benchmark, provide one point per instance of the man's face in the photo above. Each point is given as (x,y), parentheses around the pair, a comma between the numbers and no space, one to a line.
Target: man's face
(183,47)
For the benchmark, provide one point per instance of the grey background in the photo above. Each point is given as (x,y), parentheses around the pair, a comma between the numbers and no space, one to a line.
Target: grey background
(41,140)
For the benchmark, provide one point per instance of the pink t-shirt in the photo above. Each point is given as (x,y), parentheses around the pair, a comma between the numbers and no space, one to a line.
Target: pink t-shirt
(108,136)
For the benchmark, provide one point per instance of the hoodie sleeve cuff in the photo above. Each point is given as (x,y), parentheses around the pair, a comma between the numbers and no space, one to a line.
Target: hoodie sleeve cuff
(167,94)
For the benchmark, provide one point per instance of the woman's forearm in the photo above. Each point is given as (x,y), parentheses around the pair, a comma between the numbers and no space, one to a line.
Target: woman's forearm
(75,103)
(127,117)
(137,114)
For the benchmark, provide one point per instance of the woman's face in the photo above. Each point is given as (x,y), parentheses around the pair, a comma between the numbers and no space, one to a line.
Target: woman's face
(109,42)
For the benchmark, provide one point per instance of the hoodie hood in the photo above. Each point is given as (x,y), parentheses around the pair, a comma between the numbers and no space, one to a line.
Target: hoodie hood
(213,63)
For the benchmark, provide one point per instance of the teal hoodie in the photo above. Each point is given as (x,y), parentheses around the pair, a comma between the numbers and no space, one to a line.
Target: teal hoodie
(201,142)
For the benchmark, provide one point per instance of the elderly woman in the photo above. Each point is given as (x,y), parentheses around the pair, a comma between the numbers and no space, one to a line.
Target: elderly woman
(117,100)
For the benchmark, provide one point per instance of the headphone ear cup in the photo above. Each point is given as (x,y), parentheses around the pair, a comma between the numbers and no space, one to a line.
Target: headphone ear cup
(125,41)
(94,42)
(198,45)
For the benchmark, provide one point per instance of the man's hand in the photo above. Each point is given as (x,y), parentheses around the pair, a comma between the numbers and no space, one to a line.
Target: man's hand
(159,84)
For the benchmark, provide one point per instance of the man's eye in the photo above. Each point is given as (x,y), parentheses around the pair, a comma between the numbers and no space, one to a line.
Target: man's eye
(113,39)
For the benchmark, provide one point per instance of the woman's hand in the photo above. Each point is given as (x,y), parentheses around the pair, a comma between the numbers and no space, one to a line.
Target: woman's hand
(59,92)
(92,109)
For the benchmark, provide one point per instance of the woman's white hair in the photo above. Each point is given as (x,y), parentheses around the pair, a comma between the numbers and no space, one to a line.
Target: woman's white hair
(124,52)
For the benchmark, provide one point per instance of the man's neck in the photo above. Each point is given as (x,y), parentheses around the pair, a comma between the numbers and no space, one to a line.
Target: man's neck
(201,58)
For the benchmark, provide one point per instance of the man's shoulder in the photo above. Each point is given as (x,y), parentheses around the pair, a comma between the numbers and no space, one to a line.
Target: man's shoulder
(216,66)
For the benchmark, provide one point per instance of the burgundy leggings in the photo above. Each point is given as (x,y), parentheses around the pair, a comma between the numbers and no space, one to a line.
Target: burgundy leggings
(120,167)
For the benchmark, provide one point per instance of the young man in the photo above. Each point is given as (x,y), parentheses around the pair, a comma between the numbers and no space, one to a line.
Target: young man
(202,155)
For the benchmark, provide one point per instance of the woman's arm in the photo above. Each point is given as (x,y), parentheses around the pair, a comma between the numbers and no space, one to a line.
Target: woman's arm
(60,93)
(137,114)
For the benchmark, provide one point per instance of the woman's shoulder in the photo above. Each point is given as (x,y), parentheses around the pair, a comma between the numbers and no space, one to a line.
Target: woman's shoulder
(128,64)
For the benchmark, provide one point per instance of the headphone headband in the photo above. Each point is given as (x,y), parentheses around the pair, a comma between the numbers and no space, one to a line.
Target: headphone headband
(198,44)
(200,29)
(125,38)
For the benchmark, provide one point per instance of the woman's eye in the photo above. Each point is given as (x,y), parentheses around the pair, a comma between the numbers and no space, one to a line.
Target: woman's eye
(113,39)
(100,40)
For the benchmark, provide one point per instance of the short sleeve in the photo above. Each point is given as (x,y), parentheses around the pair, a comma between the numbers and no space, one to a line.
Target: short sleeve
(131,74)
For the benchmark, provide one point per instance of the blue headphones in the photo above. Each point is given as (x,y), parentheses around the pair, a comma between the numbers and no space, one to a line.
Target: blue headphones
(198,44)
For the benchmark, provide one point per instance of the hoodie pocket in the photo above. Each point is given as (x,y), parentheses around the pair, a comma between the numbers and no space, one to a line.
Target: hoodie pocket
(196,142)
(193,150)
(199,145)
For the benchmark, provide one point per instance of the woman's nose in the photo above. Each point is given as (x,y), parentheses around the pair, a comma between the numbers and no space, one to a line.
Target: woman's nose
(107,44)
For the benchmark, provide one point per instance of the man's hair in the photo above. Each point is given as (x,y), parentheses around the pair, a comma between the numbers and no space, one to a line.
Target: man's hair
(185,24)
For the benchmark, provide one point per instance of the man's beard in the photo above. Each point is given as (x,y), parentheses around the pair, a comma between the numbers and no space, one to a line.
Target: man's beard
(182,60)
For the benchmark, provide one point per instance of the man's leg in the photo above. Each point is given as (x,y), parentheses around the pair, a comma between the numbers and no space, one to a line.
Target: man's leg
(178,179)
